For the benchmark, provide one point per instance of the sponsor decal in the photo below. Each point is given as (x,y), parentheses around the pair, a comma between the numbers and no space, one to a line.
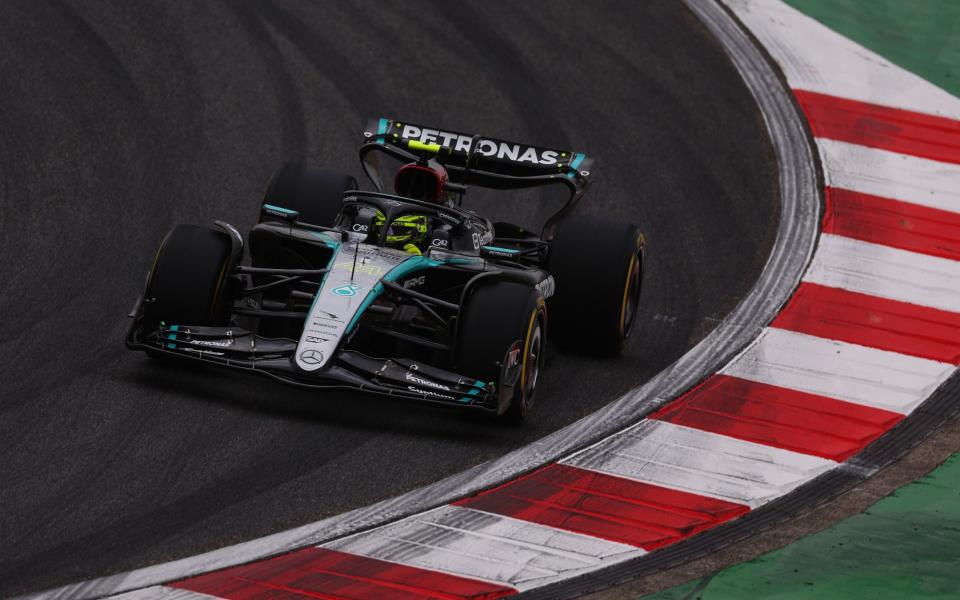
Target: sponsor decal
(513,356)
(491,251)
(322,321)
(415,282)
(276,213)
(347,290)
(450,218)
(360,228)
(311,357)
(426,383)
(369,252)
(216,343)
(326,315)
(546,287)
(312,339)
(477,241)
(461,143)
(429,393)
(282,213)
(362,268)
(440,243)
(511,363)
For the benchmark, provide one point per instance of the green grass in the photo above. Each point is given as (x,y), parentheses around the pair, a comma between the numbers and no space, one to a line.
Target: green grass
(922,36)
(905,546)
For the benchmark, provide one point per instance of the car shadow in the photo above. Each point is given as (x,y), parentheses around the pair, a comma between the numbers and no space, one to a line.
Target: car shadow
(198,383)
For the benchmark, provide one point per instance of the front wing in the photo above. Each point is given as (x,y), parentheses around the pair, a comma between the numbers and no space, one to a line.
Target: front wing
(243,350)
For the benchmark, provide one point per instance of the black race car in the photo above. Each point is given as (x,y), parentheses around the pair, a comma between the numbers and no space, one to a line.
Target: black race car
(406,294)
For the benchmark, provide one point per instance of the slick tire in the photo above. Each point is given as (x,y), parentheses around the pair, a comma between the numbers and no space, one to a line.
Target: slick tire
(189,280)
(314,192)
(501,337)
(597,264)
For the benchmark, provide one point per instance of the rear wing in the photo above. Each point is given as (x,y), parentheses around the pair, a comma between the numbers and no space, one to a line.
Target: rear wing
(475,159)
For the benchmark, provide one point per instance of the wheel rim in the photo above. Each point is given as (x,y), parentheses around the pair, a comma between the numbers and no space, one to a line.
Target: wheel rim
(531,364)
(631,297)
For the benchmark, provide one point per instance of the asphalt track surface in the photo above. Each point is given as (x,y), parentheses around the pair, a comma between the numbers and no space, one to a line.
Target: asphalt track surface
(117,123)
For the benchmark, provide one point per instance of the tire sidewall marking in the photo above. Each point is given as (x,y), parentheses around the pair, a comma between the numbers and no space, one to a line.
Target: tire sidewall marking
(524,406)
(626,291)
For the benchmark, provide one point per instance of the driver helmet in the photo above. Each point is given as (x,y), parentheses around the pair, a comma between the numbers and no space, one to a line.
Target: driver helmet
(407,232)
(419,181)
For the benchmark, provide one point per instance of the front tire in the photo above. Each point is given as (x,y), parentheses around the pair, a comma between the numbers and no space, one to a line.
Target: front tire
(500,339)
(314,192)
(189,279)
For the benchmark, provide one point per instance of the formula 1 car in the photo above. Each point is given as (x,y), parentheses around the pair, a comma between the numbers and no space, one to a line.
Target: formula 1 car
(406,294)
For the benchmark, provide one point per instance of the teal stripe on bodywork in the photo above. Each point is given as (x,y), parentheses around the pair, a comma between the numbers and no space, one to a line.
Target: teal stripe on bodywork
(414,263)
(499,249)
(577,159)
(172,336)
(381,129)
(280,208)
(323,278)
(461,261)
(324,238)
(478,386)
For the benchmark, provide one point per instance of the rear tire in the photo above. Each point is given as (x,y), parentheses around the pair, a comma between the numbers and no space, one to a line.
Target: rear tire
(598,267)
(189,279)
(314,192)
(500,339)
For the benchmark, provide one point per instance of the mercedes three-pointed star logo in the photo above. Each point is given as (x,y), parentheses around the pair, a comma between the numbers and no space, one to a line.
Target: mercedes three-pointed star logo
(311,357)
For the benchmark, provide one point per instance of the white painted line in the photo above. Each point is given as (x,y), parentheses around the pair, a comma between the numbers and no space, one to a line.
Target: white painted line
(886,272)
(708,464)
(160,592)
(817,59)
(480,545)
(848,372)
(891,175)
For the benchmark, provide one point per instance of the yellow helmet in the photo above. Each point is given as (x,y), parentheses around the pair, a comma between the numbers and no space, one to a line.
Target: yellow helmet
(403,231)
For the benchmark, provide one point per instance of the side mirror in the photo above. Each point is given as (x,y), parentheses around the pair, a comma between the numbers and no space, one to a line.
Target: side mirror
(278,212)
(497,252)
